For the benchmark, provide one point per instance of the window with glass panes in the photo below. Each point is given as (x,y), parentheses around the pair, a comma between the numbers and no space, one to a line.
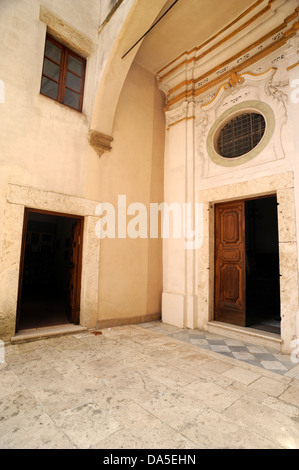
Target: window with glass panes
(63,74)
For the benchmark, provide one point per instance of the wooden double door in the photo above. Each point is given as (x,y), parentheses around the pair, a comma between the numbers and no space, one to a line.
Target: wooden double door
(234,296)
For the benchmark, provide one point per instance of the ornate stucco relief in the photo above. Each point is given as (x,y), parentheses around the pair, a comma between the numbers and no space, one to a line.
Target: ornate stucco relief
(241,92)
(176,114)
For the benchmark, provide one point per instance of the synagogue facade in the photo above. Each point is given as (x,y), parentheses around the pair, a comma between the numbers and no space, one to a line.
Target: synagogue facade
(190,108)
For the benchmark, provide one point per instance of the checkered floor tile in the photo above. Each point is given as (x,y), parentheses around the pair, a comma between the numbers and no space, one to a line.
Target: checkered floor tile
(266,358)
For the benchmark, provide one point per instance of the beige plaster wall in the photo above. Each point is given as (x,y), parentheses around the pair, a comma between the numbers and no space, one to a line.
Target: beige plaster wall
(130,282)
(43,144)
(44,150)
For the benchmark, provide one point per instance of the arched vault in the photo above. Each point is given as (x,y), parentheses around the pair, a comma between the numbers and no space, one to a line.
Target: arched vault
(139,19)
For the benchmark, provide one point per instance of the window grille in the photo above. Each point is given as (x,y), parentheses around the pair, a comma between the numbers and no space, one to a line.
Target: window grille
(241,135)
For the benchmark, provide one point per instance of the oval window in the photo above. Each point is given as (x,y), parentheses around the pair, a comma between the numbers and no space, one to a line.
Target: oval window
(240,135)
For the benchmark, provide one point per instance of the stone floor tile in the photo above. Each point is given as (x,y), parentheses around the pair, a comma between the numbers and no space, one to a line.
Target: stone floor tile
(269,386)
(227,354)
(148,428)
(295,367)
(105,368)
(166,438)
(196,335)
(233,342)
(9,383)
(10,349)
(207,375)
(171,376)
(133,387)
(294,383)
(210,336)
(281,430)
(220,348)
(148,324)
(181,336)
(30,346)
(14,404)
(49,354)
(136,419)
(284,358)
(242,375)
(198,341)
(240,349)
(55,399)
(265,357)
(78,355)
(111,400)
(253,363)
(149,383)
(291,395)
(192,363)
(36,374)
(246,392)
(121,439)
(217,366)
(86,424)
(202,342)
(64,342)
(217,341)
(292,373)
(282,407)
(243,356)
(212,395)
(22,358)
(256,349)
(33,430)
(174,409)
(214,431)
(273,365)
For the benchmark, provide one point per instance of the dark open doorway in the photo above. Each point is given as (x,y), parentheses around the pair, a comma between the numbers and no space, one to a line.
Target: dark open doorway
(247,287)
(262,264)
(50,272)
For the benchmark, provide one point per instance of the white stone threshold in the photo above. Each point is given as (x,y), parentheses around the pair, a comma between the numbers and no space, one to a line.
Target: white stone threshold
(46,332)
(250,335)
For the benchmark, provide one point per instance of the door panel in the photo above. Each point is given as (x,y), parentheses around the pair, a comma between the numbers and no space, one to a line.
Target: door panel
(230,269)
(74,274)
(25,222)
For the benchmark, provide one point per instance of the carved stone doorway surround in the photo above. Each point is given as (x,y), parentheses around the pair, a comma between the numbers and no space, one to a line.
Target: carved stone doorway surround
(19,197)
(283,185)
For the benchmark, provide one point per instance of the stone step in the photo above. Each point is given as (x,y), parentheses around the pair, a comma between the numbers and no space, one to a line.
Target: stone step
(249,335)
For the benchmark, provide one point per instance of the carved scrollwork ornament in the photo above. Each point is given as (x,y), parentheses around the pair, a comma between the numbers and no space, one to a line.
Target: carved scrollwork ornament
(233,81)
(240,94)
(176,114)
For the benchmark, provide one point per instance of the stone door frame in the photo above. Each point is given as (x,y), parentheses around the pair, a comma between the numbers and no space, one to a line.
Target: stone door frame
(21,197)
(283,186)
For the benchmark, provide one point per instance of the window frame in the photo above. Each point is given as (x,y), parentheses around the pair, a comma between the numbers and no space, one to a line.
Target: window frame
(255,106)
(63,65)
(222,140)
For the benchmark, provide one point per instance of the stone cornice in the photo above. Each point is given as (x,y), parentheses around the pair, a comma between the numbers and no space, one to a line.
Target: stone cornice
(187,80)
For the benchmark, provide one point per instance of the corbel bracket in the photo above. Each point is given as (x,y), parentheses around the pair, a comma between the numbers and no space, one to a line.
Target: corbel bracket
(99,142)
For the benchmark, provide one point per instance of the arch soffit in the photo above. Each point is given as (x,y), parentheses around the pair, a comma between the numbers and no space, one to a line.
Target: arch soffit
(139,19)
